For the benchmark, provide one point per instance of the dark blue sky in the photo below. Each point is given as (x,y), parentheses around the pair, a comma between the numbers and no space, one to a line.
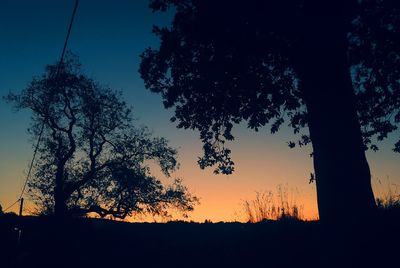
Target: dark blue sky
(109,37)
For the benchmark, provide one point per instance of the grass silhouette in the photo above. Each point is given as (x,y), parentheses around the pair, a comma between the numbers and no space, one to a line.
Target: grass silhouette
(388,195)
(268,205)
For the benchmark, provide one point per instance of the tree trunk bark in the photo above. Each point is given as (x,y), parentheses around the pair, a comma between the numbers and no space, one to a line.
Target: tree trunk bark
(341,169)
(60,206)
(342,173)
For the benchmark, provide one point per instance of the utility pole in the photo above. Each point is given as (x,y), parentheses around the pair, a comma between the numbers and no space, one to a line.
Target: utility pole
(21,205)
(19,228)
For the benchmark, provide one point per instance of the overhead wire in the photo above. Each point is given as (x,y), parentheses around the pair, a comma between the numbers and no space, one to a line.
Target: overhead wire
(10,206)
(43,124)
(68,32)
(32,162)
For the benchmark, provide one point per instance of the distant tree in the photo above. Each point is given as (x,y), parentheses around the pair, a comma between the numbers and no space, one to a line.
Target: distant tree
(1,210)
(91,158)
(331,66)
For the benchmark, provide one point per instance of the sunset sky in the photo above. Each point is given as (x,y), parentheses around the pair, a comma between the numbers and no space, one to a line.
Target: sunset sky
(109,36)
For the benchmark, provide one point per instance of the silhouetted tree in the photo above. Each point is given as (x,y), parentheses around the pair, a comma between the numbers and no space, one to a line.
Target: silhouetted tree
(91,157)
(331,66)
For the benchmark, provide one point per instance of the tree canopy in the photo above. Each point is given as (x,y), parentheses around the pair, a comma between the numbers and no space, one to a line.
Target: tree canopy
(92,159)
(330,66)
(222,62)
(374,53)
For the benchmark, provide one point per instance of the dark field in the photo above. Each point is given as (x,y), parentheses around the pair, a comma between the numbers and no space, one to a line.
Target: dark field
(100,243)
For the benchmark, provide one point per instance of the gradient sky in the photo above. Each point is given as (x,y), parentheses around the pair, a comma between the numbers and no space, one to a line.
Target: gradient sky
(109,36)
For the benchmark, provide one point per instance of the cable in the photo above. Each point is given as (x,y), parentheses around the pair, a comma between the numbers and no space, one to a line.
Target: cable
(33,159)
(10,206)
(68,32)
(42,127)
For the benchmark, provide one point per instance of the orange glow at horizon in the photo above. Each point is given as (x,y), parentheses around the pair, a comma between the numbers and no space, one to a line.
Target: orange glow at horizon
(262,163)
(260,166)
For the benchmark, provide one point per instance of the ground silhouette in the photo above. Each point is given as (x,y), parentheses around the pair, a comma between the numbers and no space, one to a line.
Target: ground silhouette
(104,243)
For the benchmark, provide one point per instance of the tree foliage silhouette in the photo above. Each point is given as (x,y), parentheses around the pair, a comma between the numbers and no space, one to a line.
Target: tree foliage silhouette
(91,157)
(331,66)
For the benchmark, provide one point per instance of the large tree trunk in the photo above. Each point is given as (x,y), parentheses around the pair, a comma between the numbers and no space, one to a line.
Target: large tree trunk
(342,173)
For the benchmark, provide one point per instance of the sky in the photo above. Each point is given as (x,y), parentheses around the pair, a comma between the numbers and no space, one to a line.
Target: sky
(109,36)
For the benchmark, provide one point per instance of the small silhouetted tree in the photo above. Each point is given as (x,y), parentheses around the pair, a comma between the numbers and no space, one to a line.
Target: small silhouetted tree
(331,66)
(91,158)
